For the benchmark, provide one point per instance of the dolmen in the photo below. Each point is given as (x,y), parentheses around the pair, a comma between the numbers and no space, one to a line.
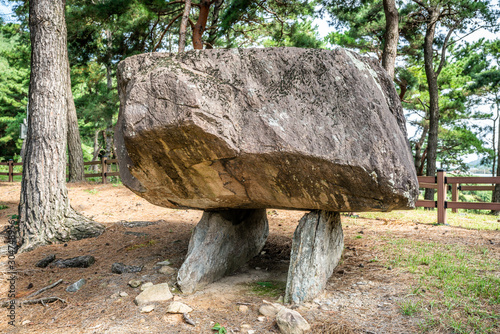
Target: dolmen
(235,132)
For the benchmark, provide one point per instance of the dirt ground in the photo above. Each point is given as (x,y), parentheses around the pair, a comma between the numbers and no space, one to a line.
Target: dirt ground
(362,296)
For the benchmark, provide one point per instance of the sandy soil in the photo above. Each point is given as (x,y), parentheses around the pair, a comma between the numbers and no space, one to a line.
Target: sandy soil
(362,296)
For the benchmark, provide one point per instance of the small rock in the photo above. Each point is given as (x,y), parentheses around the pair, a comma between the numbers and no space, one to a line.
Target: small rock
(243,308)
(156,293)
(164,263)
(84,261)
(178,307)
(142,320)
(123,294)
(134,283)
(246,326)
(120,268)
(261,319)
(26,322)
(361,265)
(269,310)
(362,283)
(147,308)
(167,270)
(43,263)
(146,285)
(76,286)
(137,223)
(291,322)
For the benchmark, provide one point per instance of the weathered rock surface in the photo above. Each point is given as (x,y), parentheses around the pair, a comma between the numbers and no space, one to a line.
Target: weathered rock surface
(291,322)
(178,307)
(317,246)
(83,261)
(221,243)
(43,263)
(263,128)
(76,286)
(156,293)
(120,268)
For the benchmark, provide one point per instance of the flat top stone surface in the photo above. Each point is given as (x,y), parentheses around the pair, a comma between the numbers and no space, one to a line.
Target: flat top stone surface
(263,128)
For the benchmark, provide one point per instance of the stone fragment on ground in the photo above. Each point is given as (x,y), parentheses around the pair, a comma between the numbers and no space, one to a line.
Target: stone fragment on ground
(123,294)
(76,286)
(291,322)
(136,223)
(146,285)
(178,307)
(221,243)
(317,246)
(135,283)
(243,308)
(167,270)
(281,128)
(147,308)
(83,261)
(120,268)
(269,309)
(43,263)
(156,293)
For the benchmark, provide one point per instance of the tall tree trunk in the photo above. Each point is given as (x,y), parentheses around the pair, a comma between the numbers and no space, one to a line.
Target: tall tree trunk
(496,192)
(183,27)
(108,141)
(431,76)
(391,36)
(75,161)
(45,215)
(200,25)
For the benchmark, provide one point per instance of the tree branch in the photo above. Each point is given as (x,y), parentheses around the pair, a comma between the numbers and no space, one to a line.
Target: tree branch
(445,45)
(165,31)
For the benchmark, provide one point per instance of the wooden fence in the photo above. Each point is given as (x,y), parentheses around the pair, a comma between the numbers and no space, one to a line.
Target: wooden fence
(103,174)
(442,183)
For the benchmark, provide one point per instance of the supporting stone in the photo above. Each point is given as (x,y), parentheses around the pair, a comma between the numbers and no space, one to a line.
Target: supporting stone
(221,243)
(317,246)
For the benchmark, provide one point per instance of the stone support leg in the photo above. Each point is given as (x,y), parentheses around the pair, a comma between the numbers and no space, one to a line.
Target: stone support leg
(221,243)
(317,246)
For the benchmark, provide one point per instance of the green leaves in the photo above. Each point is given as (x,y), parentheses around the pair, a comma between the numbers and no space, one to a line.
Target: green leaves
(219,328)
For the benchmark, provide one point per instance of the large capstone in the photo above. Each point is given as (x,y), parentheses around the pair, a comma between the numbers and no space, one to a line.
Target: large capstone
(221,243)
(263,128)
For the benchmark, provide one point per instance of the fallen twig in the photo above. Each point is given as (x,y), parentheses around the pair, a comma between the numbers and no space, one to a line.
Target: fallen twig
(53,285)
(188,320)
(43,301)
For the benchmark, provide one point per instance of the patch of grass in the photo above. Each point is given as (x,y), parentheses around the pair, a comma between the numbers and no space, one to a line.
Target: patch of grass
(462,218)
(359,237)
(410,307)
(92,191)
(270,288)
(137,246)
(3,207)
(459,286)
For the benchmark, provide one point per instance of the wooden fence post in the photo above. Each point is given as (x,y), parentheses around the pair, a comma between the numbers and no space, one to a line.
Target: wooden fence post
(104,169)
(11,170)
(441,196)
(454,195)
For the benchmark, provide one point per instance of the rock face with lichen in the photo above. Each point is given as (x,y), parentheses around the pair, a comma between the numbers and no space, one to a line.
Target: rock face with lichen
(263,128)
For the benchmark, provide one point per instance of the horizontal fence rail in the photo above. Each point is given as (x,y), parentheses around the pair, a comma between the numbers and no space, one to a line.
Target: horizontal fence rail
(104,172)
(443,183)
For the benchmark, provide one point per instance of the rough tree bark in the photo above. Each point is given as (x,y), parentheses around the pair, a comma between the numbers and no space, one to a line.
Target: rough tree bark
(496,192)
(199,27)
(183,27)
(45,215)
(75,161)
(431,76)
(391,36)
